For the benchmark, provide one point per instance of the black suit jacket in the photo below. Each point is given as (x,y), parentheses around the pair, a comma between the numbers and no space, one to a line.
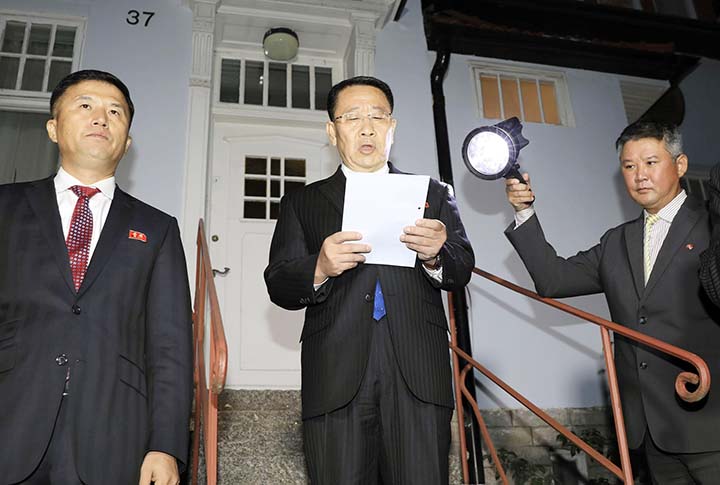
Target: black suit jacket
(126,336)
(672,307)
(710,258)
(338,318)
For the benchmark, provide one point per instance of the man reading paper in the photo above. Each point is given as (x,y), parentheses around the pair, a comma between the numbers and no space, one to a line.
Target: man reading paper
(376,382)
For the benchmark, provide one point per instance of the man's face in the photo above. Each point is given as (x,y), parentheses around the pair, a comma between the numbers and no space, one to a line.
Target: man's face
(364,143)
(90,126)
(651,175)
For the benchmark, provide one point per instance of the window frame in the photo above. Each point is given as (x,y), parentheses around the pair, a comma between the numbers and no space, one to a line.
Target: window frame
(37,101)
(524,71)
(311,62)
(268,178)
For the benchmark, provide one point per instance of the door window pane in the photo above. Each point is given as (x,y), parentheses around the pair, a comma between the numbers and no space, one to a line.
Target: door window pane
(255,165)
(274,210)
(39,39)
(14,36)
(64,41)
(255,188)
(301,87)
(253,82)
(8,72)
(230,81)
(254,210)
(294,167)
(277,90)
(33,75)
(274,188)
(263,190)
(323,83)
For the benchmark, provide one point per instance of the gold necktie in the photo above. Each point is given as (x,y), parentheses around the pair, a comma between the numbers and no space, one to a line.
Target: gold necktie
(650,220)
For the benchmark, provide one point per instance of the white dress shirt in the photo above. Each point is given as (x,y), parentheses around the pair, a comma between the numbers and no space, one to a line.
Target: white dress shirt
(660,229)
(658,232)
(435,274)
(99,203)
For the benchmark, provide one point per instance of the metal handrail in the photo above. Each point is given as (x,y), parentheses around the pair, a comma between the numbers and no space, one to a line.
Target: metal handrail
(701,379)
(206,394)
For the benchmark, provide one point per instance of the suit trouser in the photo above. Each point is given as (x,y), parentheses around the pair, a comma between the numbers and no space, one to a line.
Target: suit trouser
(384,435)
(681,468)
(57,466)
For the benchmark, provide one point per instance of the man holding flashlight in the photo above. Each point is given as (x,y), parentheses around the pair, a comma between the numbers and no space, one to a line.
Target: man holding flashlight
(648,270)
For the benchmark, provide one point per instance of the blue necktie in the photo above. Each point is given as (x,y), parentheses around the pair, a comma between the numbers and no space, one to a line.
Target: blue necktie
(379,310)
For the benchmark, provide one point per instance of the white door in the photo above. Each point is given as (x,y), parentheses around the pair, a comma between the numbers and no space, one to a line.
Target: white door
(252,168)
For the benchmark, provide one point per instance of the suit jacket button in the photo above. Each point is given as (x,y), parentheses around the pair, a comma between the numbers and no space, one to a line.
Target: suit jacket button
(76,310)
(368,297)
(643,365)
(61,360)
(643,320)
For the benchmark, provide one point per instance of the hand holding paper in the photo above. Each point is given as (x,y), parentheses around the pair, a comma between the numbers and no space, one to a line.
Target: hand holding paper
(426,238)
(339,254)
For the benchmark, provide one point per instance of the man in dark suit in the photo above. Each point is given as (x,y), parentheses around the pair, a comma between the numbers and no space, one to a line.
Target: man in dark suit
(376,381)
(648,270)
(95,319)
(710,258)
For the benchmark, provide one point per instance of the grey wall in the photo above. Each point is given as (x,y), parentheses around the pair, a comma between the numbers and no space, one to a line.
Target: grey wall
(154,62)
(701,90)
(552,358)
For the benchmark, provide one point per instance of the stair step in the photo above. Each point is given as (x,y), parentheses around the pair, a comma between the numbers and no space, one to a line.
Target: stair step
(260,439)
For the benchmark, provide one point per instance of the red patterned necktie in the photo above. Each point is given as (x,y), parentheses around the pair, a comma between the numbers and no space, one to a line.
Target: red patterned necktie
(80,234)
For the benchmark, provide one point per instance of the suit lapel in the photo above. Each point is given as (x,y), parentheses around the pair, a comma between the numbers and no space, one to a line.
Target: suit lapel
(115,228)
(334,190)
(634,244)
(43,200)
(681,226)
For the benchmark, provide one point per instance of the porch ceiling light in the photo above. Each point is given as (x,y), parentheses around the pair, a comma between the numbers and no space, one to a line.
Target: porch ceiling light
(281,44)
(491,152)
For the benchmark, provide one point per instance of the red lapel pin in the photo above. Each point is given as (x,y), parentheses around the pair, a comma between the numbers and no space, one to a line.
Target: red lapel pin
(427,205)
(137,235)
(690,246)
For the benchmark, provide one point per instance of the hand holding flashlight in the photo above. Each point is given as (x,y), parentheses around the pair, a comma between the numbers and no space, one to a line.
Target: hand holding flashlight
(520,195)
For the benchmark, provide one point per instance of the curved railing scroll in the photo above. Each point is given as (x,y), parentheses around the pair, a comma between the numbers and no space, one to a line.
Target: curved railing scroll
(700,379)
(206,393)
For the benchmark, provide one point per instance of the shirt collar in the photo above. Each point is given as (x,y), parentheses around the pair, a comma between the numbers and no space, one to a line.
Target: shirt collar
(669,212)
(385,169)
(63,181)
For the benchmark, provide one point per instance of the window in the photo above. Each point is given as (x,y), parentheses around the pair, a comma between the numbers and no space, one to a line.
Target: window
(26,152)
(533,96)
(267,179)
(274,84)
(36,52)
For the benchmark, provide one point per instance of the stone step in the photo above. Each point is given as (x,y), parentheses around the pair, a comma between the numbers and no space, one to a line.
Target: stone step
(260,439)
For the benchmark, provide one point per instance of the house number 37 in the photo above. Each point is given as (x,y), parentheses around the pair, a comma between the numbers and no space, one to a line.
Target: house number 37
(134,17)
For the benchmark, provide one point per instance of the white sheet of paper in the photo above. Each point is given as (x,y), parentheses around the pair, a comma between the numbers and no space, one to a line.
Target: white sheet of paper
(379,207)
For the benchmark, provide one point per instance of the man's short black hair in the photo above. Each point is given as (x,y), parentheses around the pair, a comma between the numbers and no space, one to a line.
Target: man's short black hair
(90,75)
(658,130)
(357,81)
